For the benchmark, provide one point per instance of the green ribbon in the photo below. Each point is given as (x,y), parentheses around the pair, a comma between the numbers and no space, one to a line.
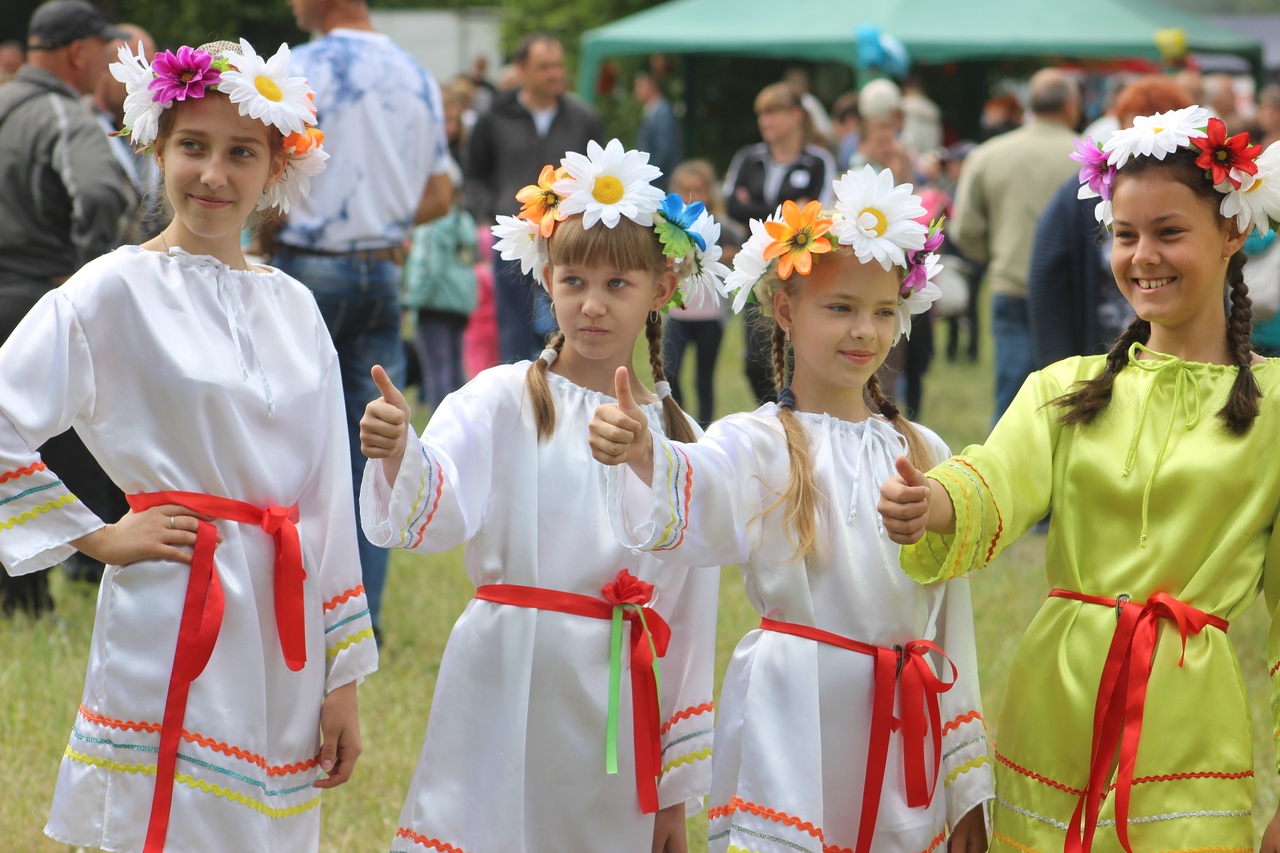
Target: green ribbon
(615,681)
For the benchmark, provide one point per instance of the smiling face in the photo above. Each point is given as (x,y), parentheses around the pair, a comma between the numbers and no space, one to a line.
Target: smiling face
(216,164)
(842,319)
(1169,256)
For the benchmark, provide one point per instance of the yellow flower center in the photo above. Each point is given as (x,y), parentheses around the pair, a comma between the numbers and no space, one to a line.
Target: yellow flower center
(881,222)
(801,239)
(1256,183)
(1157,130)
(1222,156)
(607,190)
(268,89)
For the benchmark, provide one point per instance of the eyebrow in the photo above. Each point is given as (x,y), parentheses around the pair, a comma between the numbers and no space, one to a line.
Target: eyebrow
(1161,218)
(240,140)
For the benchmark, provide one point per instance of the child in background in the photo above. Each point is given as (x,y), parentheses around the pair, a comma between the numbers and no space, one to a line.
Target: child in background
(440,288)
(536,741)
(210,391)
(857,699)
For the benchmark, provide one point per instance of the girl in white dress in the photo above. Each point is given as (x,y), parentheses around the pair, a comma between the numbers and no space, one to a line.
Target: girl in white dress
(209,391)
(536,740)
(851,720)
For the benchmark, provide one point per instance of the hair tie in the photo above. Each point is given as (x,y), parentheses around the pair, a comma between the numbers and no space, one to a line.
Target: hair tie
(549,356)
(662,389)
(786,399)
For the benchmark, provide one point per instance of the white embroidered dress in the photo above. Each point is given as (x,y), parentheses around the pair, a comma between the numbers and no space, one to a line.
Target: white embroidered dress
(794,716)
(182,374)
(514,758)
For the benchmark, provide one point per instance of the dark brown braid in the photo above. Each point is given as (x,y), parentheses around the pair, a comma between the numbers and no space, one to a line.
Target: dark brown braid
(535,383)
(1242,405)
(1088,398)
(674,423)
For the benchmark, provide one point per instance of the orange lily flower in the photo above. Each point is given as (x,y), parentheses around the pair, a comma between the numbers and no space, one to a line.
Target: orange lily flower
(303,142)
(541,203)
(797,238)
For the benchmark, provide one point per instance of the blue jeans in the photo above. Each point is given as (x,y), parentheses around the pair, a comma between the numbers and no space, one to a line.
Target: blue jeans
(1012,334)
(524,313)
(360,302)
(705,335)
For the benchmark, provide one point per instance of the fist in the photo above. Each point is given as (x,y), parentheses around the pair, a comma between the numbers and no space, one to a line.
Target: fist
(385,424)
(620,431)
(904,503)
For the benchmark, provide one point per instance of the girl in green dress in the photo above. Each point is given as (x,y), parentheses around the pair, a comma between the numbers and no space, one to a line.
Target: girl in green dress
(1126,725)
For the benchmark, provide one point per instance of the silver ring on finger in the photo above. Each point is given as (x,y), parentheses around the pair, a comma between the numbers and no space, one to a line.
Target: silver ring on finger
(172,523)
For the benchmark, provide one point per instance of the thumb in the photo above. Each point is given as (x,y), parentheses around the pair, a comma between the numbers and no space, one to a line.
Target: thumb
(908,472)
(622,388)
(390,392)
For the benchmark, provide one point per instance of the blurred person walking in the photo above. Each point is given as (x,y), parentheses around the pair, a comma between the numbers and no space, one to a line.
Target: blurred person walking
(1004,186)
(62,199)
(659,130)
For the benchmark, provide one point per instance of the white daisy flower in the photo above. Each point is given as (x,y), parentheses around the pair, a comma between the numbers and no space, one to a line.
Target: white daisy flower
(878,219)
(701,272)
(518,240)
(141,112)
(265,91)
(1157,135)
(295,183)
(609,183)
(1257,202)
(749,266)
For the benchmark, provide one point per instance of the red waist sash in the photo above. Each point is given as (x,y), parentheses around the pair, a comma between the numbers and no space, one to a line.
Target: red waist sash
(920,688)
(202,619)
(624,599)
(1122,695)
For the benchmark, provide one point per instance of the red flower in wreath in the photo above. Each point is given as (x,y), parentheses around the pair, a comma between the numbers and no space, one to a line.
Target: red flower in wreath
(1225,157)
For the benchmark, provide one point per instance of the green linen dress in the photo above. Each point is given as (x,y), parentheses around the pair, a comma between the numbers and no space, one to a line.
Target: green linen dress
(1154,496)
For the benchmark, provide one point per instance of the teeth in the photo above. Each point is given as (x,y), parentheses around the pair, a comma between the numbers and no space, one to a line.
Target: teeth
(1153,283)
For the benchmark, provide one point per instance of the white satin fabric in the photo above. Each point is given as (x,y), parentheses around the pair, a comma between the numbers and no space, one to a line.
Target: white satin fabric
(794,716)
(514,758)
(180,373)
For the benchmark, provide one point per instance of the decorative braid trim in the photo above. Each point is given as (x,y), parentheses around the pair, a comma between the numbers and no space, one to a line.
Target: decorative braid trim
(826,848)
(332,603)
(435,502)
(337,648)
(198,784)
(1203,774)
(201,740)
(429,843)
(965,768)
(679,471)
(43,487)
(968,513)
(21,472)
(996,835)
(57,503)
(952,725)
(999,518)
(704,708)
(686,759)
(1075,792)
(1275,667)
(737,804)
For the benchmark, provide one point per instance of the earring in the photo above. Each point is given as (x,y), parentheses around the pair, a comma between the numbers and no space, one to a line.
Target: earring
(654,317)
(786,334)
(552,309)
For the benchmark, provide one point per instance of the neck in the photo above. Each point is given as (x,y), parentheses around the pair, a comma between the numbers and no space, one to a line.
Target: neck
(348,16)
(786,149)
(839,401)
(1206,342)
(597,375)
(536,101)
(226,248)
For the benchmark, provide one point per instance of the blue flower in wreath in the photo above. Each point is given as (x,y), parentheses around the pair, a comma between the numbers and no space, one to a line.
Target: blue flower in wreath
(676,228)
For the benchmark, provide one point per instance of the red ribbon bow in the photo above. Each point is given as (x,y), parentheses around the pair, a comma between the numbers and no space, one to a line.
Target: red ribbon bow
(1122,696)
(202,619)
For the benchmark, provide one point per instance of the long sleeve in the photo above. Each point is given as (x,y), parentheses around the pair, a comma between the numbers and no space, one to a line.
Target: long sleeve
(702,503)
(1053,280)
(46,383)
(999,489)
(437,501)
(969,228)
(1271,587)
(966,772)
(328,526)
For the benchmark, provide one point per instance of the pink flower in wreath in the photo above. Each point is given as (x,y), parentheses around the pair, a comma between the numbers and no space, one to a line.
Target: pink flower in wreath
(184,75)
(1095,173)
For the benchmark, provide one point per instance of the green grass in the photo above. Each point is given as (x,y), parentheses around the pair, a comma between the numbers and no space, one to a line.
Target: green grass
(42,662)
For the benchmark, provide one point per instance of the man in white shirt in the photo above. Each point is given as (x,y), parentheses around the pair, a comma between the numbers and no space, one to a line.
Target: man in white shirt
(383,120)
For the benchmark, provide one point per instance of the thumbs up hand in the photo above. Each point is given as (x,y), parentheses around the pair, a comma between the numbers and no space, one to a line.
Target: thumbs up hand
(620,431)
(904,503)
(385,425)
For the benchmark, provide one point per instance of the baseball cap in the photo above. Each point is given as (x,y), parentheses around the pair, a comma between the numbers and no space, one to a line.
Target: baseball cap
(60,22)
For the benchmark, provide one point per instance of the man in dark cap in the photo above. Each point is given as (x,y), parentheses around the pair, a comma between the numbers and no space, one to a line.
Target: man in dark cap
(62,196)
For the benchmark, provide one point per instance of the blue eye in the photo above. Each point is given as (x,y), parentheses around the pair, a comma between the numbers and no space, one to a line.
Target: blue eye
(572,281)
(242,152)
(617,283)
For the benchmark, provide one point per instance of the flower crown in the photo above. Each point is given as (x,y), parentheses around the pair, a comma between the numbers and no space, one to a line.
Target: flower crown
(875,219)
(605,185)
(1238,170)
(260,88)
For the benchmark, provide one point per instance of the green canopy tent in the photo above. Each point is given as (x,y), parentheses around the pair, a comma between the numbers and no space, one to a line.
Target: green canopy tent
(933,31)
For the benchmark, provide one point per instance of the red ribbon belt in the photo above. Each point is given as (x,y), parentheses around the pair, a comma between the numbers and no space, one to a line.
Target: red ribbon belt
(202,618)
(650,634)
(1122,695)
(920,688)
